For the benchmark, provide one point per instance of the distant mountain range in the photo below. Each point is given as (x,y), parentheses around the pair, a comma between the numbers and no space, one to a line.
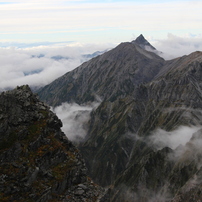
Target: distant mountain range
(83,58)
(60,57)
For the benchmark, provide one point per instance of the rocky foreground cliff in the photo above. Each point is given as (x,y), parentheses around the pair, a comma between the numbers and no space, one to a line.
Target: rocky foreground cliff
(147,107)
(37,161)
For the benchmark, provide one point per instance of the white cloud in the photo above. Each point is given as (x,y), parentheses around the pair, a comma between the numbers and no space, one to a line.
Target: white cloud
(19,67)
(74,118)
(36,67)
(175,46)
(161,138)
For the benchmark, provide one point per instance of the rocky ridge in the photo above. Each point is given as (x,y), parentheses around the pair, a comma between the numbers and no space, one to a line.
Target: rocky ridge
(37,161)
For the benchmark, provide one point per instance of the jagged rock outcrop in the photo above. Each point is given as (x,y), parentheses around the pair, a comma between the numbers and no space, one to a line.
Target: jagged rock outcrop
(141,93)
(37,161)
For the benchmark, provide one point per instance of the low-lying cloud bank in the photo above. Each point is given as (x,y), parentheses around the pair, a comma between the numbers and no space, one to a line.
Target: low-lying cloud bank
(39,66)
(161,138)
(74,118)
(175,46)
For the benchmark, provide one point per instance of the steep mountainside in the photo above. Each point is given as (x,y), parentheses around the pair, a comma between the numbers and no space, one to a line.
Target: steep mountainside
(142,95)
(119,71)
(167,103)
(37,161)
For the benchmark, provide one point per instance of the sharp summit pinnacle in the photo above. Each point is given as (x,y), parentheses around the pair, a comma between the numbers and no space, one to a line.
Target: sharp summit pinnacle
(142,42)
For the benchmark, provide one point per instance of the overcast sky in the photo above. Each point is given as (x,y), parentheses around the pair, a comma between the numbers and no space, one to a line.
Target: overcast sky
(93,21)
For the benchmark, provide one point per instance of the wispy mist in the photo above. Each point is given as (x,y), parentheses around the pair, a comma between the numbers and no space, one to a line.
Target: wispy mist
(143,194)
(75,119)
(161,138)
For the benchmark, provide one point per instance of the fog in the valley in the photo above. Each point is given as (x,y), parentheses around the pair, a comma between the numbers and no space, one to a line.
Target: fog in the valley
(161,138)
(75,119)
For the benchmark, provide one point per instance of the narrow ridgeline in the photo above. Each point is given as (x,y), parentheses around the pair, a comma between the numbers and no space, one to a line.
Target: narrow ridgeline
(37,161)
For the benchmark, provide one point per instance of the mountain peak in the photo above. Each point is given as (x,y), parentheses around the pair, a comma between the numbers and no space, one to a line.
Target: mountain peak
(140,38)
(142,42)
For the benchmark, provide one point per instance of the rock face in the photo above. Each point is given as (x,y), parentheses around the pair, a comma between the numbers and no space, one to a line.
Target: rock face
(141,94)
(37,161)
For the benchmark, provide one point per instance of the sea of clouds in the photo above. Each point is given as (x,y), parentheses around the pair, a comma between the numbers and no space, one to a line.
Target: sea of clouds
(40,65)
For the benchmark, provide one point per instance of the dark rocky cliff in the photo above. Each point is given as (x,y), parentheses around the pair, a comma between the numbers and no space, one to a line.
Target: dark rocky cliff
(141,93)
(37,161)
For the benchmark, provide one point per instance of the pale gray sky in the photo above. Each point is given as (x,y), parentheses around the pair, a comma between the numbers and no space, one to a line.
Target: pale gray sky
(106,21)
